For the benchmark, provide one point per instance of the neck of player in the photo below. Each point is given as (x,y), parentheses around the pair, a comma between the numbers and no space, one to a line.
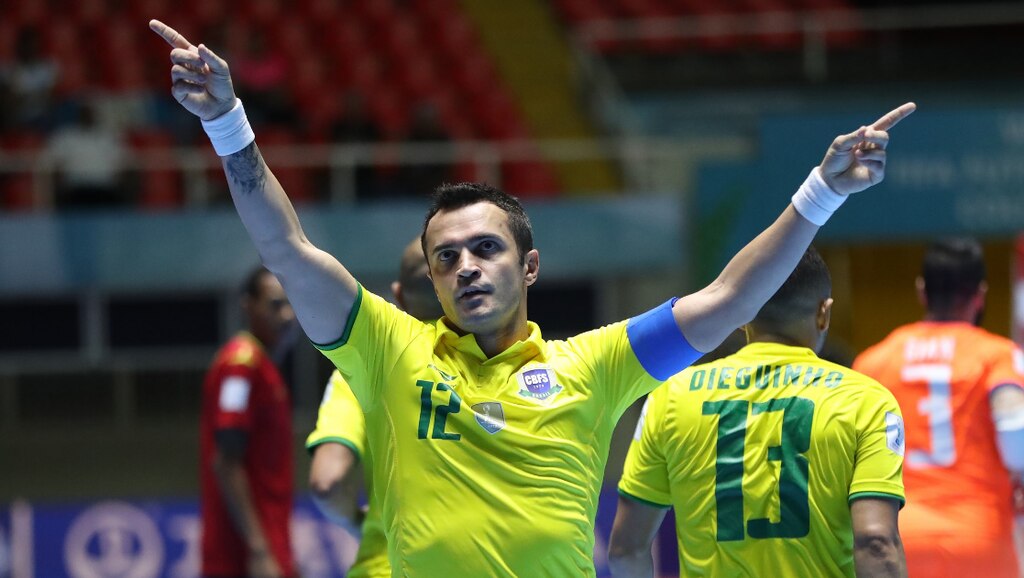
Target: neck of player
(494,342)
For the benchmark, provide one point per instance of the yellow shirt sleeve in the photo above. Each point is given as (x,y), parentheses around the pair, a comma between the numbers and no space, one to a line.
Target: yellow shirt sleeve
(618,375)
(645,473)
(376,336)
(340,419)
(878,467)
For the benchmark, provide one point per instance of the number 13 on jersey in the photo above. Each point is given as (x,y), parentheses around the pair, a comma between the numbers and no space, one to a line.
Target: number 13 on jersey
(794,509)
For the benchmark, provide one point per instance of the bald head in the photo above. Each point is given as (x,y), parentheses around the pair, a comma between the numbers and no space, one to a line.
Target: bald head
(413,290)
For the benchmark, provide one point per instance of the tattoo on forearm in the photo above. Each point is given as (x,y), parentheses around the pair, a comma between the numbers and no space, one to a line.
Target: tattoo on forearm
(247,170)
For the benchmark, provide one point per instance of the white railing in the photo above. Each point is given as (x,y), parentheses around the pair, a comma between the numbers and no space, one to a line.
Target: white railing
(638,160)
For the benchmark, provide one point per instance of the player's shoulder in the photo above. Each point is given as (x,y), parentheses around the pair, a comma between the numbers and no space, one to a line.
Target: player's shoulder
(373,309)
(997,351)
(861,390)
(884,350)
(608,332)
(981,338)
(242,350)
(338,390)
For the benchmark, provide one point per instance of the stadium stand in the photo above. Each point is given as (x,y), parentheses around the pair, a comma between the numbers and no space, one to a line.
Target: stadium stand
(397,55)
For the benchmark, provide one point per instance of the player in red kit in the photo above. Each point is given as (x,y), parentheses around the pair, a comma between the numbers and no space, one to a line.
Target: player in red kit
(246,445)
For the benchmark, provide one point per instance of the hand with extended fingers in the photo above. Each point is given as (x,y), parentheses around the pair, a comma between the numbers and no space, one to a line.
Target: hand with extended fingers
(856,161)
(200,79)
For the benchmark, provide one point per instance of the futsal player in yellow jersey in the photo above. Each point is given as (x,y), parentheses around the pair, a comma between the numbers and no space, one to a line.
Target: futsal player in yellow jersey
(778,463)
(488,441)
(339,440)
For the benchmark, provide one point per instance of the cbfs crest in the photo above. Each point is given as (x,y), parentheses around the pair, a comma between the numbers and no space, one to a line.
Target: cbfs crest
(538,384)
(490,415)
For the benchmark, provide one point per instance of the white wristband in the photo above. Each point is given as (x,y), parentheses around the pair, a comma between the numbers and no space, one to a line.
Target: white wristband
(815,200)
(230,132)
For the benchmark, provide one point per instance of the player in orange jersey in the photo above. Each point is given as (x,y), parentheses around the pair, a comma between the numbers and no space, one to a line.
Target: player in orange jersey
(961,389)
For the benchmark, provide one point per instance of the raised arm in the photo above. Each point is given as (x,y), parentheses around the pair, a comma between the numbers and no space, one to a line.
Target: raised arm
(854,162)
(319,288)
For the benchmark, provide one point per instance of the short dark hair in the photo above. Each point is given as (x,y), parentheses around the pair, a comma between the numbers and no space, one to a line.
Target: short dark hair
(448,197)
(953,271)
(807,286)
(251,286)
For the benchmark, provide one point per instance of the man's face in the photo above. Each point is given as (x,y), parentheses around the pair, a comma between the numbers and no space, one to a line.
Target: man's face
(476,269)
(270,314)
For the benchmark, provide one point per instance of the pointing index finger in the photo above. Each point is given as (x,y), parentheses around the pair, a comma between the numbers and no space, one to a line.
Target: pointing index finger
(893,117)
(170,35)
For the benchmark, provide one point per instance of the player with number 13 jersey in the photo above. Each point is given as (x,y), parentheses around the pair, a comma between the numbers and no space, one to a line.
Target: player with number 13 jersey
(761,453)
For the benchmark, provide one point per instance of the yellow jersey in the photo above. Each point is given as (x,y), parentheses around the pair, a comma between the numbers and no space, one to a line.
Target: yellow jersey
(340,420)
(486,466)
(760,454)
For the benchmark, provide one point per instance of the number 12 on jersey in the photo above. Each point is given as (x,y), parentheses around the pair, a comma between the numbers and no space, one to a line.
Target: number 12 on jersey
(794,514)
(440,413)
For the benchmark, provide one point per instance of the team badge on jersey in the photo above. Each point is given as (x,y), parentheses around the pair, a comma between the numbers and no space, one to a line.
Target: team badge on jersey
(538,383)
(895,439)
(490,416)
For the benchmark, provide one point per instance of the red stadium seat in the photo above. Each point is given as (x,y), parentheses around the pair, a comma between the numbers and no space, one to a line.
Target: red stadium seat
(89,12)
(400,38)
(320,10)
(262,13)
(529,179)
(389,111)
(498,116)
(455,37)
(27,13)
(17,190)
(8,39)
(75,76)
(473,74)
(295,37)
(159,188)
(396,52)
(418,77)
(297,181)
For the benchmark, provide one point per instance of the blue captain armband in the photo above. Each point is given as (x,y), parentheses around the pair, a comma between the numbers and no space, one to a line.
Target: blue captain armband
(658,343)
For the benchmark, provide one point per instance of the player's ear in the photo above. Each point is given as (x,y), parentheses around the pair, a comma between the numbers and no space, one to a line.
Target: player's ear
(396,292)
(922,297)
(978,301)
(531,266)
(824,317)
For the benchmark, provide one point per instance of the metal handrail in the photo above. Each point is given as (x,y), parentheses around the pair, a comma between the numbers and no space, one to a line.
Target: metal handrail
(341,160)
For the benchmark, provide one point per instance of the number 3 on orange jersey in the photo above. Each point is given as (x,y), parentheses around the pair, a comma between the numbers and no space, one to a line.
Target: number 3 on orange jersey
(937,407)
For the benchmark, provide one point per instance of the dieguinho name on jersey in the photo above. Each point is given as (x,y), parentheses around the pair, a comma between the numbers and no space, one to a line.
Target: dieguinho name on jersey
(763,377)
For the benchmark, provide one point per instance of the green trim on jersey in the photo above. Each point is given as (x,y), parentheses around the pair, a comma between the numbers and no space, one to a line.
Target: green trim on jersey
(883,495)
(348,324)
(639,500)
(335,440)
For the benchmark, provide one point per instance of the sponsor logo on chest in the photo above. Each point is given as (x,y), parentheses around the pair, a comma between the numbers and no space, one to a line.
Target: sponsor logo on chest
(538,383)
